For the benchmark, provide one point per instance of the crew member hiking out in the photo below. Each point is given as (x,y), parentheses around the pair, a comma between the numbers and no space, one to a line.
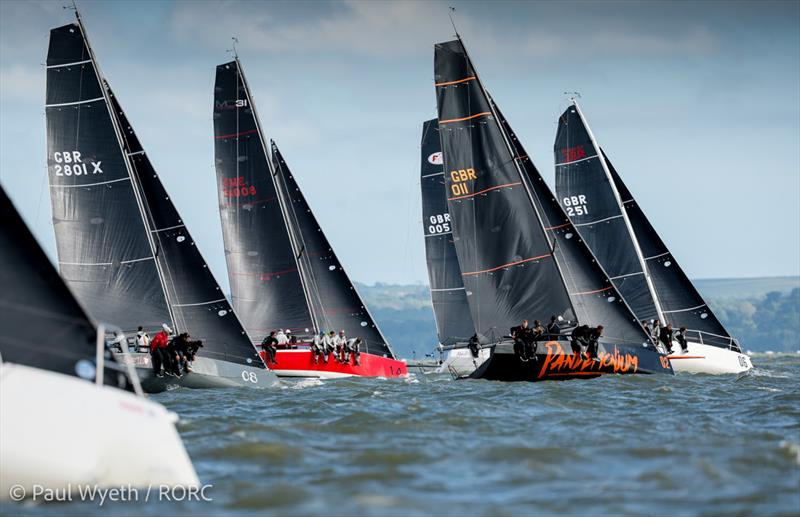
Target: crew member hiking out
(594,341)
(158,350)
(269,346)
(318,347)
(665,336)
(579,339)
(680,337)
(330,345)
(553,329)
(522,337)
(354,350)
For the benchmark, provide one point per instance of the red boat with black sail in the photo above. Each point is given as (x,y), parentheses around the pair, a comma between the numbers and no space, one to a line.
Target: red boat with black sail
(283,272)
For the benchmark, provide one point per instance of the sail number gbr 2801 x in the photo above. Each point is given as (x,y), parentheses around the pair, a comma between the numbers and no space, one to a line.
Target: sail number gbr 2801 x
(70,163)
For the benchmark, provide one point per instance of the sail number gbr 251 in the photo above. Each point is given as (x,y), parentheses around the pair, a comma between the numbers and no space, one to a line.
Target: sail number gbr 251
(70,163)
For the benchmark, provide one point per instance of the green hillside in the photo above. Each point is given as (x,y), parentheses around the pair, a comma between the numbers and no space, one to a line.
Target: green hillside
(763,313)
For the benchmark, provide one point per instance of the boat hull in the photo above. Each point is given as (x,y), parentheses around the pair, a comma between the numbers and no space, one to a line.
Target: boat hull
(300,363)
(206,373)
(708,359)
(58,431)
(461,363)
(556,361)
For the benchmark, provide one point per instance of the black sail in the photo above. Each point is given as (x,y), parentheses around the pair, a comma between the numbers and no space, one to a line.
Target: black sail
(681,304)
(506,260)
(42,325)
(448,295)
(584,191)
(594,297)
(265,281)
(333,297)
(103,249)
(197,302)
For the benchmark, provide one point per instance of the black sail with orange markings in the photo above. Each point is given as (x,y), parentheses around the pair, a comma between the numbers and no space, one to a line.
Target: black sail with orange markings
(332,296)
(681,303)
(42,325)
(594,297)
(448,295)
(505,257)
(102,243)
(586,196)
(197,302)
(265,281)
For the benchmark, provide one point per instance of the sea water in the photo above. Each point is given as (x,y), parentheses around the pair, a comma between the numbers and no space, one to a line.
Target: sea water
(429,445)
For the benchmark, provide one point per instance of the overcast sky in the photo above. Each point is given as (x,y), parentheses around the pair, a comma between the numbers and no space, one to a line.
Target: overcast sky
(696,103)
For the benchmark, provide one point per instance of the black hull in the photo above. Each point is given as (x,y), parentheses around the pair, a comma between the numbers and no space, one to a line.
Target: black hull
(556,361)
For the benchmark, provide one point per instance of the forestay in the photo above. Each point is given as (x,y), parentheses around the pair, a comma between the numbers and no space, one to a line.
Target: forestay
(448,295)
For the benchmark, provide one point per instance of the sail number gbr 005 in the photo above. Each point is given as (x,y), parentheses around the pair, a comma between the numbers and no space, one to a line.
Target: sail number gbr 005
(70,163)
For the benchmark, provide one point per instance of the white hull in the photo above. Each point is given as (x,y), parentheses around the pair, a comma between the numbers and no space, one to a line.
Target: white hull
(58,431)
(708,359)
(460,362)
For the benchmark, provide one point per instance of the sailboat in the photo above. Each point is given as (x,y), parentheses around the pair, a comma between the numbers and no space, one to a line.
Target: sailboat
(626,244)
(64,399)
(283,272)
(454,323)
(122,246)
(519,255)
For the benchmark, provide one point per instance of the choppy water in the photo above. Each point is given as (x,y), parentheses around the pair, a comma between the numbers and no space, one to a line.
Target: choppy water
(694,445)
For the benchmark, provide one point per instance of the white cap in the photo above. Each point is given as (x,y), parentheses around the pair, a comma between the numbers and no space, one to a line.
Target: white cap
(166,328)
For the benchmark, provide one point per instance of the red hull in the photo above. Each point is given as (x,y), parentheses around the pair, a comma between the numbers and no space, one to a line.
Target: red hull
(300,363)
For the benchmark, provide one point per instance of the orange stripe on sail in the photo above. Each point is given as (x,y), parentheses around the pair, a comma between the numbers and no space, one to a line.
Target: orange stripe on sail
(470,78)
(465,118)
(506,265)
(485,190)
(557,227)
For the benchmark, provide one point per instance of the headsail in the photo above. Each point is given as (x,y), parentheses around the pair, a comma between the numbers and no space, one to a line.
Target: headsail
(265,281)
(103,248)
(42,323)
(505,207)
(506,259)
(196,300)
(334,299)
(448,295)
(585,193)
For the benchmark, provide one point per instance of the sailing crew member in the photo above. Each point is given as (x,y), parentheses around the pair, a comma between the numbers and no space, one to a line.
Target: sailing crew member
(647,328)
(680,337)
(656,331)
(522,336)
(340,342)
(579,339)
(354,350)
(174,362)
(553,329)
(474,345)
(281,337)
(192,347)
(142,340)
(665,336)
(537,333)
(317,346)
(594,341)
(328,344)
(158,349)
(269,346)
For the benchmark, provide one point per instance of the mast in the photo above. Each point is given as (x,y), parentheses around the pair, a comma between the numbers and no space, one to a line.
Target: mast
(515,158)
(128,166)
(624,213)
(278,190)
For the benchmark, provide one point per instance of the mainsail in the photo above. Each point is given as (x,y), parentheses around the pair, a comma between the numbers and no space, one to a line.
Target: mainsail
(266,286)
(121,242)
(42,323)
(283,271)
(519,254)
(448,295)
(670,290)
(104,251)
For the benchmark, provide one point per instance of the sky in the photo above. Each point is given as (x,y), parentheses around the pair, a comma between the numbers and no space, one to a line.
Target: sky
(697,104)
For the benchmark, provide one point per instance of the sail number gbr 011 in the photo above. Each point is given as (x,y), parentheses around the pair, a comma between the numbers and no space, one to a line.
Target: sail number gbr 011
(70,163)
(459,178)
(237,187)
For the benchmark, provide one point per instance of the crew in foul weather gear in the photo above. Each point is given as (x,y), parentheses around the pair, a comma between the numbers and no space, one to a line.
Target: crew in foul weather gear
(680,337)
(656,332)
(328,345)
(474,345)
(665,336)
(579,339)
(522,335)
(553,329)
(281,337)
(158,350)
(594,341)
(318,346)
(537,333)
(142,341)
(354,350)
(269,345)
(340,343)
